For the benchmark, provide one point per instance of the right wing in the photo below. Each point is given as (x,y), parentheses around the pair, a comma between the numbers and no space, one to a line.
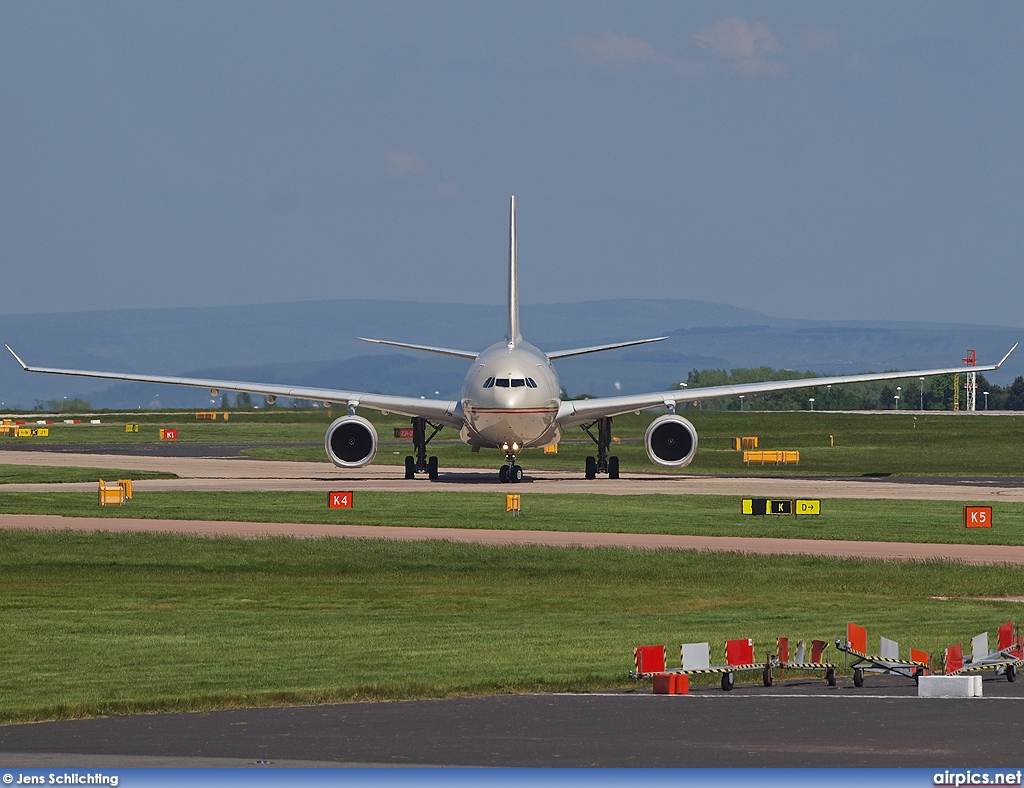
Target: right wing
(444,412)
(575,412)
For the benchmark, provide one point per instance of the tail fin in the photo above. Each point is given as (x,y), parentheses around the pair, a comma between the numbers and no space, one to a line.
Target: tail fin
(512,334)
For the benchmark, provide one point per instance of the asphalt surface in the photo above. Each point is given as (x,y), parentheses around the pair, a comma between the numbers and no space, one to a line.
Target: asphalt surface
(801,724)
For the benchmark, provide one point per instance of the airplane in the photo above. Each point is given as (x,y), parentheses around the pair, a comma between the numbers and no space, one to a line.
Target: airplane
(511,401)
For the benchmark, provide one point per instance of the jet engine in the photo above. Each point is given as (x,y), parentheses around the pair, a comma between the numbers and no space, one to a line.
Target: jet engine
(671,441)
(351,442)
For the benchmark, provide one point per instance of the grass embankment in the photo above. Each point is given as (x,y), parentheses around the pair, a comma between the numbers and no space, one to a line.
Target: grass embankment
(865,444)
(705,515)
(54,474)
(100,624)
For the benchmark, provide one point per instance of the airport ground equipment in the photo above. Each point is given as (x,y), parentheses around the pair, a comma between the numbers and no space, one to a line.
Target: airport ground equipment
(780,661)
(1006,660)
(886,662)
(695,660)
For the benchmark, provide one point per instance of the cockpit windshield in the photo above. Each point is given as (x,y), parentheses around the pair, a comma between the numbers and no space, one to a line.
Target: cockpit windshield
(505,383)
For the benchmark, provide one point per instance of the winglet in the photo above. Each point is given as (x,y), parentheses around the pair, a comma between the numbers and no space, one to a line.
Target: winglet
(25,366)
(1008,352)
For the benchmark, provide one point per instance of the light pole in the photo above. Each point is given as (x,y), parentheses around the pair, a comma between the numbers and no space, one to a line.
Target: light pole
(741,400)
(986,399)
(897,398)
(811,400)
(922,392)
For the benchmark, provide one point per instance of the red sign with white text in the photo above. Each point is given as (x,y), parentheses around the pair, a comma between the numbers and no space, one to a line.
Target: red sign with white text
(978,516)
(339,500)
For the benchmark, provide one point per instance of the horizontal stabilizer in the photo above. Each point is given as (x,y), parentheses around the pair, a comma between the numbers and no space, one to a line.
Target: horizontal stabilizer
(444,351)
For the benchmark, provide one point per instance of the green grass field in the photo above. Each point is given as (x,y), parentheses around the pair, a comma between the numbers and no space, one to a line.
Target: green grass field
(58,474)
(101,624)
(705,515)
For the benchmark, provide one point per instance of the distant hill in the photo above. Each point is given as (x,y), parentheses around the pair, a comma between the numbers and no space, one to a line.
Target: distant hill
(315,343)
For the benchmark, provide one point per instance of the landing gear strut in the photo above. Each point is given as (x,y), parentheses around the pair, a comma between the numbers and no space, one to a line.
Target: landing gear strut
(603,463)
(510,471)
(421,463)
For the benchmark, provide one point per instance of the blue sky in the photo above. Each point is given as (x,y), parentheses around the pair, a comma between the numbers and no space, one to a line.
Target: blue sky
(811,160)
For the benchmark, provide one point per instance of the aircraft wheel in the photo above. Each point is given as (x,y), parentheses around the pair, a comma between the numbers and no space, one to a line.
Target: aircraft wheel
(728,682)
(613,467)
(432,468)
(1011,672)
(503,474)
(516,475)
(766,675)
(830,676)
(858,677)
(410,467)
(591,468)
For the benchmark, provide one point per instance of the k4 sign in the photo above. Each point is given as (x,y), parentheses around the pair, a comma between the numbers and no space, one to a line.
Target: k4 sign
(978,516)
(339,500)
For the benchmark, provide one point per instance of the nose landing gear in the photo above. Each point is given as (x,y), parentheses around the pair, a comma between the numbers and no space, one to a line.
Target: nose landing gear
(510,472)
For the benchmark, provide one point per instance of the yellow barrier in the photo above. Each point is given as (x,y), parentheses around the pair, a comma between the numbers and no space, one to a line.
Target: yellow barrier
(552,449)
(777,457)
(131,428)
(512,503)
(207,414)
(750,442)
(111,494)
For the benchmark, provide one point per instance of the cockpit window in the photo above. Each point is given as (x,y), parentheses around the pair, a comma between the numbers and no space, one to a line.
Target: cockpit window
(506,383)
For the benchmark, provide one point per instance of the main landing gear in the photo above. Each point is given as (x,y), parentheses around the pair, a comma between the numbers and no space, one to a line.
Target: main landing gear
(421,463)
(602,463)
(510,471)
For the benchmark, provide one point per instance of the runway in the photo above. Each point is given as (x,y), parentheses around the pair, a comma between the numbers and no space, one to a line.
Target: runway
(244,474)
(802,723)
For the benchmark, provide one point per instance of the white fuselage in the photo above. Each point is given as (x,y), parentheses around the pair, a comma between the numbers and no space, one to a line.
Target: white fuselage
(510,398)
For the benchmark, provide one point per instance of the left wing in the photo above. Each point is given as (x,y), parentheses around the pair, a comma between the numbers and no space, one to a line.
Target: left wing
(575,412)
(445,412)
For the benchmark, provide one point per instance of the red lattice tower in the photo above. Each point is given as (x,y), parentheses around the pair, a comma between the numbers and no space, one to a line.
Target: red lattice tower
(972,380)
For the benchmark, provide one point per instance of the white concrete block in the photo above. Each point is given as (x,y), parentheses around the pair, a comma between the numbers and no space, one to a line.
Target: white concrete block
(949,687)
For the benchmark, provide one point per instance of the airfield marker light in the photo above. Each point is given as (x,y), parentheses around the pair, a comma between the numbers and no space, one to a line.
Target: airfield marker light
(811,400)
(741,400)
(986,399)
(897,398)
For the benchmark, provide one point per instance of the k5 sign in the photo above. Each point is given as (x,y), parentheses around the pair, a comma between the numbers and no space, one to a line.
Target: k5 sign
(978,516)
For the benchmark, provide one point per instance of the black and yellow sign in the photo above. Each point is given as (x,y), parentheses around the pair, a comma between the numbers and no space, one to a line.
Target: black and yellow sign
(765,506)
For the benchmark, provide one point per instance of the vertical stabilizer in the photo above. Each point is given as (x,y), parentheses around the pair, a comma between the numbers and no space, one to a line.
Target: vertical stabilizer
(512,334)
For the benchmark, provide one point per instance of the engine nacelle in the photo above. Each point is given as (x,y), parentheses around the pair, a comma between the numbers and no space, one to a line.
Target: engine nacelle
(671,441)
(351,442)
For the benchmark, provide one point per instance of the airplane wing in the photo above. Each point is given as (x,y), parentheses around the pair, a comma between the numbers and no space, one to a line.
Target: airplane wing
(555,354)
(444,412)
(575,412)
